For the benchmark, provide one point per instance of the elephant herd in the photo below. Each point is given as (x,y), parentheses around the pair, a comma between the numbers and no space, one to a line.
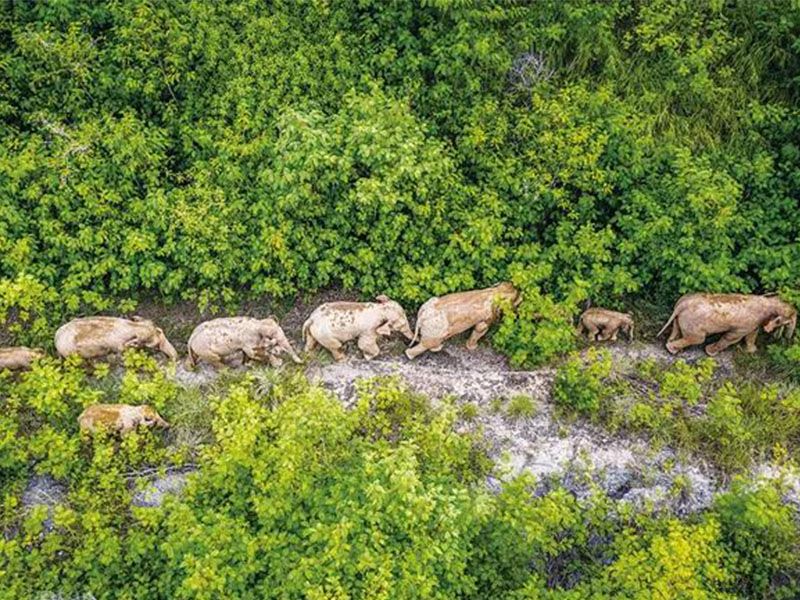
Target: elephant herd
(234,340)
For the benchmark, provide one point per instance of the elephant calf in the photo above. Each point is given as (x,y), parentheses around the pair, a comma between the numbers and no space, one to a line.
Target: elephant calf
(736,316)
(17,358)
(96,337)
(334,323)
(224,341)
(606,323)
(440,318)
(121,418)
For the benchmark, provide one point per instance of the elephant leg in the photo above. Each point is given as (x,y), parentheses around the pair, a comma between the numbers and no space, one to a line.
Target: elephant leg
(676,346)
(676,331)
(593,331)
(434,344)
(609,333)
(214,360)
(250,353)
(477,333)
(726,340)
(368,344)
(750,341)
(335,348)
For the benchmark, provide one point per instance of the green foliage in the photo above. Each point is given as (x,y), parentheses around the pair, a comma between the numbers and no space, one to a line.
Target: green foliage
(297,497)
(521,407)
(582,382)
(213,152)
(735,424)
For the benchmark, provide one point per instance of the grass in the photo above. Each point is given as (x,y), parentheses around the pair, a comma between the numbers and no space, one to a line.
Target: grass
(521,407)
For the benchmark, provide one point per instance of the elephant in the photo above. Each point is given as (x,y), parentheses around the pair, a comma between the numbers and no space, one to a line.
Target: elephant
(609,322)
(440,318)
(736,316)
(96,337)
(334,323)
(18,358)
(223,341)
(121,418)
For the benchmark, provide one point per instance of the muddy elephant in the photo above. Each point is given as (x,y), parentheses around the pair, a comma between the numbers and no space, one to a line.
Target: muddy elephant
(18,358)
(605,323)
(96,337)
(334,323)
(121,418)
(440,318)
(225,341)
(736,316)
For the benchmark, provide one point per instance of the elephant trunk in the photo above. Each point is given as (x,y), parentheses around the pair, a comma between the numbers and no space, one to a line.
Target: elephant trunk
(286,346)
(168,349)
(790,328)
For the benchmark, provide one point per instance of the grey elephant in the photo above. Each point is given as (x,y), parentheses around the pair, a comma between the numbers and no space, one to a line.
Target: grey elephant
(440,318)
(96,337)
(223,341)
(334,323)
(18,358)
(602,324)
(736,316)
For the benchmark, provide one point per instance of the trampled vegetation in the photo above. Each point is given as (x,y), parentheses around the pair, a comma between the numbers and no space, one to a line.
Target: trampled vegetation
(617,151)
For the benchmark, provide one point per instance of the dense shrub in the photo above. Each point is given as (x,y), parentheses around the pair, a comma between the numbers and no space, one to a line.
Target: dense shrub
(211,152)
(296,497)
(735,424)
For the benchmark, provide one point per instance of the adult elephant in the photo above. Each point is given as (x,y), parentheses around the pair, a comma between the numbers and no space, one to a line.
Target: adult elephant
(440,318)
(96,337)
(735,316)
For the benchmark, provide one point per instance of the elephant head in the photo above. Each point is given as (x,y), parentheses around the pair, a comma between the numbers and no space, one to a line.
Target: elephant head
(150,417)
(627,325)
(506,292)
(275,342)
(159,341)
(787,320)
(396,319)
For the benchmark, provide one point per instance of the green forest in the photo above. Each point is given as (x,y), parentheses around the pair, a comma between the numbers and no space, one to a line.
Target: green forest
(239,153)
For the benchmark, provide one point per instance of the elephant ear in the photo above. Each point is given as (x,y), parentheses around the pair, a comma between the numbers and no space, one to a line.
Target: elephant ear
(382,298)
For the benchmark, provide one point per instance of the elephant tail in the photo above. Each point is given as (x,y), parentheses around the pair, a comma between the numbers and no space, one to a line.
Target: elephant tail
(191,358)
(671,319)
(416,332)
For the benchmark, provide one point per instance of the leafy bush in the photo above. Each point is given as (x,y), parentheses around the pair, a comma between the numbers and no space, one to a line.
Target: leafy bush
(213,153)
(582,383)
(296,496)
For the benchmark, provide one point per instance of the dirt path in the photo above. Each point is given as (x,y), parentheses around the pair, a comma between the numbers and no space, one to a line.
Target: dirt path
(575,455)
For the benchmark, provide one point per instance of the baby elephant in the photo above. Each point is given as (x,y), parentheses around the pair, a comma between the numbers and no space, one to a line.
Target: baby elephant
(443,317)
(18,358)
(736,316)
(606,323)
(221,342)
(334,323)
(121,418)
(96,337)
